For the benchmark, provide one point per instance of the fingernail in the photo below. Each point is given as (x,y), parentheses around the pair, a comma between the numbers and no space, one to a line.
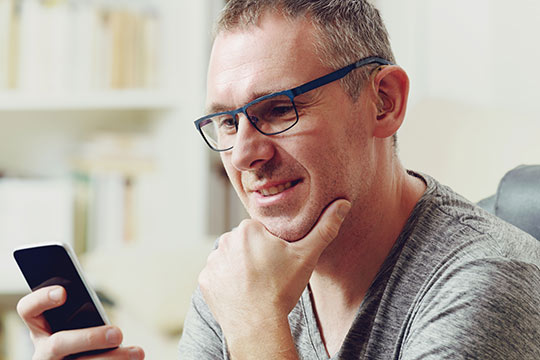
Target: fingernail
(343,209)
(55,295)
(112,336)
(134,354)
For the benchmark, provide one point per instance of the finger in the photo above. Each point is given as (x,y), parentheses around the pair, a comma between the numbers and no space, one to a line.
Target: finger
(131,353)
(222,241)
(326,229)
(32,306)
(64,343)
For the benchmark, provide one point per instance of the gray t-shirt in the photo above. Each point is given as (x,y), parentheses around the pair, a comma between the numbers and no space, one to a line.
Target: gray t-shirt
(459,283)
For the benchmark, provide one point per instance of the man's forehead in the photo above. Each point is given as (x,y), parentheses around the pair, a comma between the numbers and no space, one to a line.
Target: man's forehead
(269,43)
(253,61)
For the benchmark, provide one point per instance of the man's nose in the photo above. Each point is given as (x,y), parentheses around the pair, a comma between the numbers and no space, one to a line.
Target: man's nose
(251,148)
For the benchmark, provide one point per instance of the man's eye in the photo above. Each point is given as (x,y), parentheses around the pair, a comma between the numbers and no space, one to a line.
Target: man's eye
(226,122)
(282,111)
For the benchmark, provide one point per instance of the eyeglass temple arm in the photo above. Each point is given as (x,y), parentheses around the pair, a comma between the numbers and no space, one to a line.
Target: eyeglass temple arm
(338,74)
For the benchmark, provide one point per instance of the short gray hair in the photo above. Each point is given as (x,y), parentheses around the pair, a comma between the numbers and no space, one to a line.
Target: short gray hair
(348,30)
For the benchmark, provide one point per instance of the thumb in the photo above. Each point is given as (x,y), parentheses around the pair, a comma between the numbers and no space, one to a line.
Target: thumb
(326,228)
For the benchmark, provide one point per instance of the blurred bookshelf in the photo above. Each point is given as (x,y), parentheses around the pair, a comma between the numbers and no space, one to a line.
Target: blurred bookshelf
(99,151)
(64,45)
(106,99)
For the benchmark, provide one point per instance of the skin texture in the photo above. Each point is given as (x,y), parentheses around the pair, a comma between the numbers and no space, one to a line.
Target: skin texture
(340,149)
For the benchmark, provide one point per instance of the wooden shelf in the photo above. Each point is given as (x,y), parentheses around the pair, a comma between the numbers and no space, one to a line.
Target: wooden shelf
(109,100)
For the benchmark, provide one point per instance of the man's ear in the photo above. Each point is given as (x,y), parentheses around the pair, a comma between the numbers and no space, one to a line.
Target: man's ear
(391,90)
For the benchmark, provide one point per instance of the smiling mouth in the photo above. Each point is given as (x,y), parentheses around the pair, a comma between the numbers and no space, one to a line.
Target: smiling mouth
(274,190)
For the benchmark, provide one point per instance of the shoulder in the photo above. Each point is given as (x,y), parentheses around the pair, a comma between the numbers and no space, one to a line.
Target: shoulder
(479,294)
(461,228)
(482,308)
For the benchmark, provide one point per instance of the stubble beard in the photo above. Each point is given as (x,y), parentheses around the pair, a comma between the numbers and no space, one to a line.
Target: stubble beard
(288,221)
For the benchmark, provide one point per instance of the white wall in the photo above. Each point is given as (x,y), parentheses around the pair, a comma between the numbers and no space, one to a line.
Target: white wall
(473,111)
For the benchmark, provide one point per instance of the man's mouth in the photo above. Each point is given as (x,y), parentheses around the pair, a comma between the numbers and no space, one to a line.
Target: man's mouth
(274,190)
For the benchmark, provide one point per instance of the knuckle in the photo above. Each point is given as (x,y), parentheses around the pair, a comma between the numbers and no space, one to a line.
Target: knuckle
(324,233)
(34,304)
(30,304)
(92,338)
(223,241)
(245,223)
(211,258)
(329,232)
(22,309)
(55,344)
(203,281)
(248,224)
(248,229)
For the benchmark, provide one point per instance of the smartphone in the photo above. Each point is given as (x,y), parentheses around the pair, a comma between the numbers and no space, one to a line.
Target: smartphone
(56,264)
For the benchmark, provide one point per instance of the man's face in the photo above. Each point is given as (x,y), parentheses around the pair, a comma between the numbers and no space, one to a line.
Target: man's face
(285,181)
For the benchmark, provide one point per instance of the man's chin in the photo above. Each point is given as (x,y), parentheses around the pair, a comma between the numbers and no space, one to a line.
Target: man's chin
(290,232)
(288,235)
(288,224)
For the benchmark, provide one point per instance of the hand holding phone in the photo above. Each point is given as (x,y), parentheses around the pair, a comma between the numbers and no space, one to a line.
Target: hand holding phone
(74,314)
(56,264)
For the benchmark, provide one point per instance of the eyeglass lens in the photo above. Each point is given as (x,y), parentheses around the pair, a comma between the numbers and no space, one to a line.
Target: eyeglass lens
(270,116)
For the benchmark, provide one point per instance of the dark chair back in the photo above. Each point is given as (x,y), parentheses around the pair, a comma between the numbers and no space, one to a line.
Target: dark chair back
(517,200)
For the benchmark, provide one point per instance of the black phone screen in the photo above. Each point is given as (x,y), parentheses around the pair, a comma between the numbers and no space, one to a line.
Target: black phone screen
(51,265)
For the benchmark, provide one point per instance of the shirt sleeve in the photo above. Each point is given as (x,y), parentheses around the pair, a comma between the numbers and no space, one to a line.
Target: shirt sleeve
(483,309)
(202,337)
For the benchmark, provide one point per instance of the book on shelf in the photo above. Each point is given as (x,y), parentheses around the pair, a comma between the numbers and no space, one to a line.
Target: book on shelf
(59,46)
(106,172)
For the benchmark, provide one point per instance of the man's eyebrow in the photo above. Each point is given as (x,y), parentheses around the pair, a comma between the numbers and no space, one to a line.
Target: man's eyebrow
(217,107)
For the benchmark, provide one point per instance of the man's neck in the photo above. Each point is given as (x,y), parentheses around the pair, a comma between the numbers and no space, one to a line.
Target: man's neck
(349,265)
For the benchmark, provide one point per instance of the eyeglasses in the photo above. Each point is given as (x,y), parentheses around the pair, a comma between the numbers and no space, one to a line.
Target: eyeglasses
(271,114)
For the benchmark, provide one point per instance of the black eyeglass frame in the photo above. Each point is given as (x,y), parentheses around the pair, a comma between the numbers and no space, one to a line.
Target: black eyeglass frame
(291,94)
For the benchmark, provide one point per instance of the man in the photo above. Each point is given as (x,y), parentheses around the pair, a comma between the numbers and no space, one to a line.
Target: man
(347,254)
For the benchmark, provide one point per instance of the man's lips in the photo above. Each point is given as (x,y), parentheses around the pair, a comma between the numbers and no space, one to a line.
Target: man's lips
(274,189)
